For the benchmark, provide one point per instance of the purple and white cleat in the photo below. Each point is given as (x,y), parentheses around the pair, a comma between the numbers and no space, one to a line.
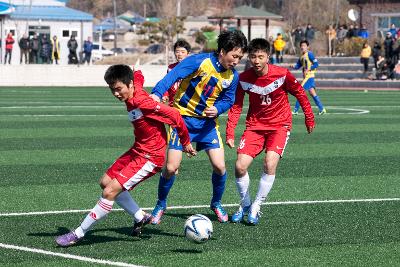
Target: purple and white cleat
(67,240)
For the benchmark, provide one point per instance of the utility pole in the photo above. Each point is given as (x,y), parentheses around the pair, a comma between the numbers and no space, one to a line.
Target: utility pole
(115,24)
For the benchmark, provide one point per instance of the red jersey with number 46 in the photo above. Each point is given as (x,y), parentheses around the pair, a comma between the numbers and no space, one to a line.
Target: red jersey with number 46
(269,106)
(148,118)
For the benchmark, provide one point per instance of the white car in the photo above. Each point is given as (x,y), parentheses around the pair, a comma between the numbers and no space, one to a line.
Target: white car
(98,54)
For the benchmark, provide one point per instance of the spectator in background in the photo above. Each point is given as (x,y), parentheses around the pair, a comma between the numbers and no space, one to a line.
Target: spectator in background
(365,54)
(55,51)
(272,52)
(356,30)
(393,31)
(331,38)
(24,48)
(350,32)
(298,35)
(309,33)
(382,72)
(34,46)
(341,35)
(363,33)
(72,46)
(9,47)
(396,50)
(388,45)
(376,52)
(45,49)
(279,46)
(87,50)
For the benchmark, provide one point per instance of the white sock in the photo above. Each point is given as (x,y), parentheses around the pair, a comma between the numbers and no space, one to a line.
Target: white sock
(139,215)
(264,187)
(243,185)
(99,212)
(125,201)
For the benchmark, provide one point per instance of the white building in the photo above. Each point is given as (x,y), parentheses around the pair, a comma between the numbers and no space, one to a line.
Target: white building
(44,17)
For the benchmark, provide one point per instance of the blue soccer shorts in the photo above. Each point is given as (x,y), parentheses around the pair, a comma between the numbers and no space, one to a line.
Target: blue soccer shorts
(203,131)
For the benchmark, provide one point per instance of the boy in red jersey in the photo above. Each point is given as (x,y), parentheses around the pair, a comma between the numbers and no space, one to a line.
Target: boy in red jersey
(181,51)
(268,123)
(143,159)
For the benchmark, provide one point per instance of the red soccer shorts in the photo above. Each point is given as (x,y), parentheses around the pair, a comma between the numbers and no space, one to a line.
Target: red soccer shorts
(131,169)
(253,142)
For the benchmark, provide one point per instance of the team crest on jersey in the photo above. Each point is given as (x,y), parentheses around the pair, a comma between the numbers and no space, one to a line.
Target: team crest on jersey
(226,83)
(135,114)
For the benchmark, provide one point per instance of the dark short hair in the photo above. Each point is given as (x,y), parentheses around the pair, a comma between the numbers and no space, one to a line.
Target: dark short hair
(118,73)
(228,40)
(258,44)
(304,42)
(182,43)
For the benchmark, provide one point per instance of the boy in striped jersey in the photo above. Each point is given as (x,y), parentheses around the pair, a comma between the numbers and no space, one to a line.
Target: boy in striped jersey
(309,64)
(207,90)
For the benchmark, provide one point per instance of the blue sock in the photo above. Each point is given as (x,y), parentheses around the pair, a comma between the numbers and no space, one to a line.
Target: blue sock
(296,106)
(318,103)
(218,182)
(164,185)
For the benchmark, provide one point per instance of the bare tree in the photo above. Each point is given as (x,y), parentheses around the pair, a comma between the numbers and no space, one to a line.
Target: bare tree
(318,12)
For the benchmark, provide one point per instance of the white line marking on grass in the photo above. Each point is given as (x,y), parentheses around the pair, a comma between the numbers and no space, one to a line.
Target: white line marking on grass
(67,256)
(300,202)
(352,110)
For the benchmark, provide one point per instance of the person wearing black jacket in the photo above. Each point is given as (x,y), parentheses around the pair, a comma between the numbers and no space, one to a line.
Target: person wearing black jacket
(34,47)
(376,51)
(72,46)
(24,48)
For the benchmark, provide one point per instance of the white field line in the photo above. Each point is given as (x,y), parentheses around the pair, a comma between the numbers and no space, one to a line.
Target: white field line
(111,263)
(352,111)
(67,256)
(300,202)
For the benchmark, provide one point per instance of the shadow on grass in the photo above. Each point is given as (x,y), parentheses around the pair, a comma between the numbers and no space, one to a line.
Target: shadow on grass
(184,216)
(187,251)
(94,236)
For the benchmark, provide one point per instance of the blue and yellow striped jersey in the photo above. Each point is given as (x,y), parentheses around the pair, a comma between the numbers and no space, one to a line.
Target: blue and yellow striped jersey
(205,83)
(308,62)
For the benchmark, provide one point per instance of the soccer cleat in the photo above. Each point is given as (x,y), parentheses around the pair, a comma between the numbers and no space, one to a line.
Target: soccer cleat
(322,112)
(67,240)
(157,213)
(138,226)
(254,214)
(239,214)
(295,112)
(220,212)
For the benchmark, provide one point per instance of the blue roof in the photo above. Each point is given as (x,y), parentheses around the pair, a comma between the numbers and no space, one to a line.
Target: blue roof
(5,8)
(50,13)
(108,24)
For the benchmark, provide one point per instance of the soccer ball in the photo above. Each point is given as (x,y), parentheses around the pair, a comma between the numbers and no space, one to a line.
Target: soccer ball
(198,228)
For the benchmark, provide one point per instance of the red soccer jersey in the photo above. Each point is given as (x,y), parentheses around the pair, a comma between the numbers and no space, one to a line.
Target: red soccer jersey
(172,91)
(148,118)
(269,106)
